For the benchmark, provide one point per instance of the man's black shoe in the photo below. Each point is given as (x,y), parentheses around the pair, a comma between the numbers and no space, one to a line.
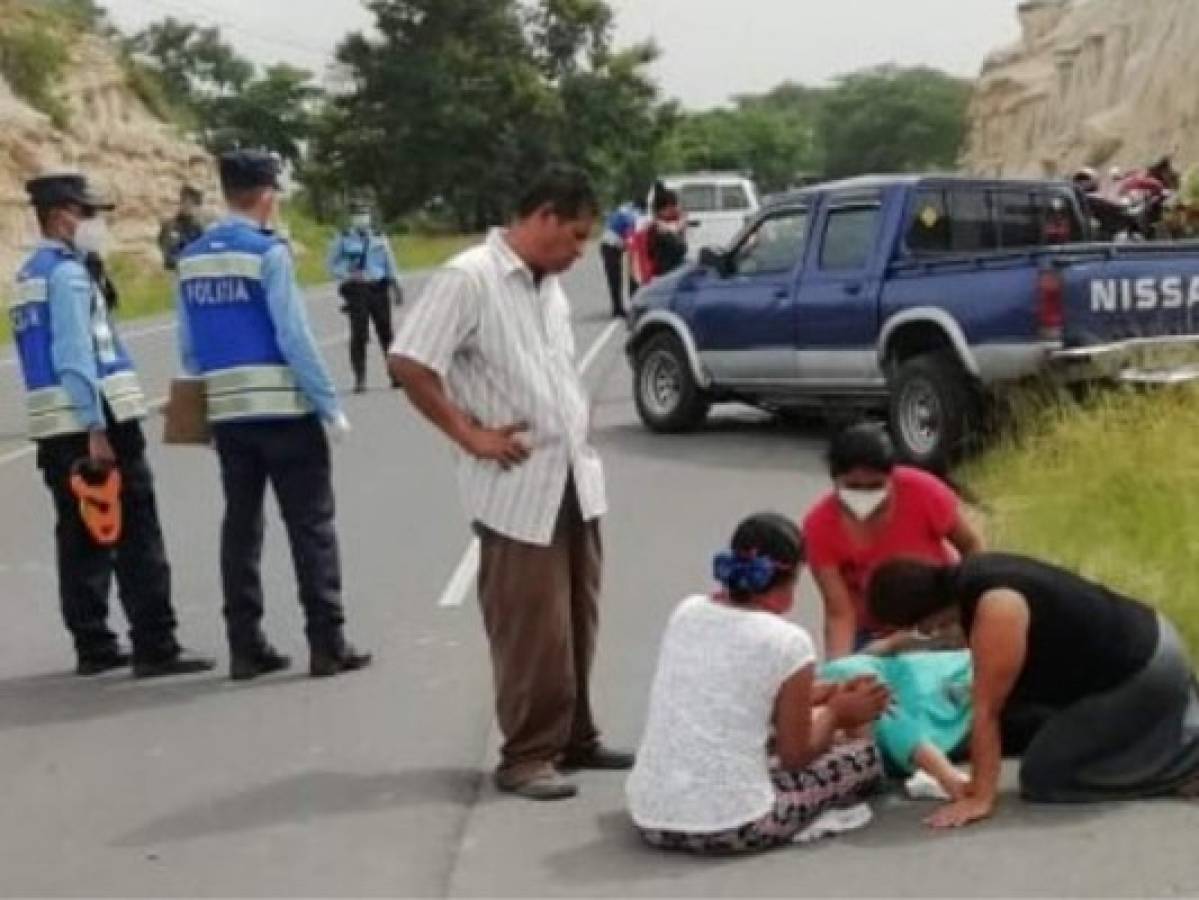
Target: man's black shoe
(324,664)
(182,663)
(89,666)
(264,662)
(596,757)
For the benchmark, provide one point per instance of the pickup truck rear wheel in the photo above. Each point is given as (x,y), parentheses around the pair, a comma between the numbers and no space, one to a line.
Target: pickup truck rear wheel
(668,399)
(934,410)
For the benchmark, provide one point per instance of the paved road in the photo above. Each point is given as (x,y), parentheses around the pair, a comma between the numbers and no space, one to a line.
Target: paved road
(373,784)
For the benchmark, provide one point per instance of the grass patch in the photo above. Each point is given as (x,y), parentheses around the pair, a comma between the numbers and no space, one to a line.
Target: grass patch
(412,251)
(145,289)
(147,86)
(33,60)
(420,251)
(1108,487)
(310,240)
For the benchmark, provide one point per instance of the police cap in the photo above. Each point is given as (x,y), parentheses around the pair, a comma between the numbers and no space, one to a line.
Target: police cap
(247,169)
(64,189)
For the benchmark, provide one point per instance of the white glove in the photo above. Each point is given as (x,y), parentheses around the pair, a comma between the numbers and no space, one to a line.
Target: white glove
(339,428)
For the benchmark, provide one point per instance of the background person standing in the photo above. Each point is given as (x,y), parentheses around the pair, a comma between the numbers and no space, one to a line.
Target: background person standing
(488,357)
(182,228)
(84,402)
(243,327)
(618,229)
(667,233)
(361,261)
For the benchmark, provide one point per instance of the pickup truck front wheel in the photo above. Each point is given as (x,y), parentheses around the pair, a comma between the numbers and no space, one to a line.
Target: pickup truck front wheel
(668,399)
(934,410)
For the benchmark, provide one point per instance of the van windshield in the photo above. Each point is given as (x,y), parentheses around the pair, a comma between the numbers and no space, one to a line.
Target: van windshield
(698,198)
(733,198)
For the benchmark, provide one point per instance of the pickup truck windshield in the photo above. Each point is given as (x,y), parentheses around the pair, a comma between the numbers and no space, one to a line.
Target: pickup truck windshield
(775,245)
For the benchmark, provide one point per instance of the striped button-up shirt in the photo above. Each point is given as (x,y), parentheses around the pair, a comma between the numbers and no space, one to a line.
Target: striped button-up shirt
(503,346)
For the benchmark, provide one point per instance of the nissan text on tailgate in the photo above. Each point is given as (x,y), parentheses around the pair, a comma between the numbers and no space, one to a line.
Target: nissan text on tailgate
(921,296)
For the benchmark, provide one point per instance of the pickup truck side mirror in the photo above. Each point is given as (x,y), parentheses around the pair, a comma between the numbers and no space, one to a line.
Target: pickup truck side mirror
(713,258)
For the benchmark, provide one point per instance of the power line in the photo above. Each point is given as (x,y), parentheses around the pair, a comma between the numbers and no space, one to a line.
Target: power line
(207,16)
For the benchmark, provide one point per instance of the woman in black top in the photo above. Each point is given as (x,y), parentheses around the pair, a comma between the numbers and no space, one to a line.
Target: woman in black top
(1108,676)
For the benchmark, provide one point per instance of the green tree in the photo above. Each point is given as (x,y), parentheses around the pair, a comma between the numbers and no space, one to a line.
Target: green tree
(893,120)
(274,111)
(566,35)
(453,103)
(771,137)
(193,63)
(445,107)
(223,97)
(83,14)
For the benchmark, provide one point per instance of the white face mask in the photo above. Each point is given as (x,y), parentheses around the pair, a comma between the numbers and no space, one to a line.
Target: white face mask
(862,504)
(91,236)
(362,223)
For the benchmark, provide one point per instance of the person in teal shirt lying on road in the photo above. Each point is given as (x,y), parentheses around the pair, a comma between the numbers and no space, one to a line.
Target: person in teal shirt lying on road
(930,714)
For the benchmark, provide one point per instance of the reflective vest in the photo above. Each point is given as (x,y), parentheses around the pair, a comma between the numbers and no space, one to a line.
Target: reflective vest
(232,334)
(48,406)
(365,253)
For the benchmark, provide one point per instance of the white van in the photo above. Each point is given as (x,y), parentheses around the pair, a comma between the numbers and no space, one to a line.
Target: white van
(716,204)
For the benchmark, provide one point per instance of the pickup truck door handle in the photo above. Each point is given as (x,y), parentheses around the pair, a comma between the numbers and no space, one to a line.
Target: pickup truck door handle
(853,288)
(781,293)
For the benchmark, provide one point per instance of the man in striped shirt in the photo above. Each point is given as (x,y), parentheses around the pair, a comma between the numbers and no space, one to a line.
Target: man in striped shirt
(487,355)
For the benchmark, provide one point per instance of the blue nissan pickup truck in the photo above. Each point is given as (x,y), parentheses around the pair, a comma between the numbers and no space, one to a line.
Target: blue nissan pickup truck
(919,296)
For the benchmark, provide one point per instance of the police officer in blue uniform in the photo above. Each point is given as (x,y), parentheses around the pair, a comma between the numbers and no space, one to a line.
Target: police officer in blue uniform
(243,328)
(362,264)
(84,402)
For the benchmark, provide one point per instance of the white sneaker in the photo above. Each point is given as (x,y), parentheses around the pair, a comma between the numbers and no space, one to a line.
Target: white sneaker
(923,786)
(836,821)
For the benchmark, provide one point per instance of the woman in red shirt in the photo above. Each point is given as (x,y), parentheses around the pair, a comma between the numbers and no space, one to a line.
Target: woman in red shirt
(877,512)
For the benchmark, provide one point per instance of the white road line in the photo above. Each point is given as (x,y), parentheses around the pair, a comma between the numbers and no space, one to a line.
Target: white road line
(598,346)
(460,582)
(16,454)
(464,575)
(155,405)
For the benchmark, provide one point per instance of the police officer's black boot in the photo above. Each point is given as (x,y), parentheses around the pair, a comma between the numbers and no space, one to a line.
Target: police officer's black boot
(98,664)
(183,662)
(329,660)
(264,661)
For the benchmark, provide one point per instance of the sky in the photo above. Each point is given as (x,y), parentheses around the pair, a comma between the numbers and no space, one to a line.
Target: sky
(711,49)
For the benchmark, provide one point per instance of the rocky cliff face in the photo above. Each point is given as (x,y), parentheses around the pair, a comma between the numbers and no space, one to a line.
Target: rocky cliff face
(1092,82)
(111,136)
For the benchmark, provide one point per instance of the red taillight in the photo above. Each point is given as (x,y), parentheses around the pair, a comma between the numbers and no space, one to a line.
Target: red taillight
(1051,312)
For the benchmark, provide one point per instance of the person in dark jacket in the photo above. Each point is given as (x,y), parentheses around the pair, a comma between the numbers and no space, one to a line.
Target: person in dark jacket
(182,228)
(667,233)
(1107,677)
